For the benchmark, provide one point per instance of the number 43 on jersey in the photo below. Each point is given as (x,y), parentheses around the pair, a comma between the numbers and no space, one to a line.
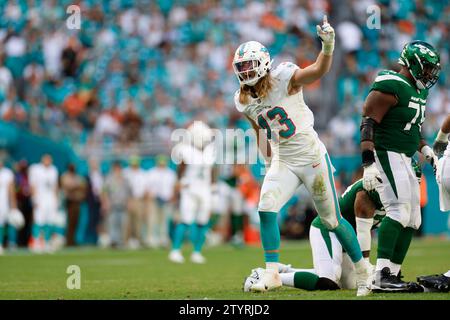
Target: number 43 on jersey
(285,125)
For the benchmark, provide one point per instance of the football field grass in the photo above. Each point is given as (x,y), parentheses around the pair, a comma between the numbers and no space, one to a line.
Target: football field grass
(147,274)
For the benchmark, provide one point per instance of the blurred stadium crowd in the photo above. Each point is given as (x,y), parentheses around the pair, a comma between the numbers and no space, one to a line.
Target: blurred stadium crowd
(136,70)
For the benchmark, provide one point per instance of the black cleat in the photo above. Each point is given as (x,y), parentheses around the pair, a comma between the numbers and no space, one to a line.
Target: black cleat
(385,281)
(437,282)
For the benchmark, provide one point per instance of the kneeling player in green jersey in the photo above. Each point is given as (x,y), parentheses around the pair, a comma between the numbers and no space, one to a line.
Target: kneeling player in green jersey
(332,266)
(393,114)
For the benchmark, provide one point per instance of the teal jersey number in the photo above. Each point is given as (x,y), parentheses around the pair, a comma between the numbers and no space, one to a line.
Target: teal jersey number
(283,119)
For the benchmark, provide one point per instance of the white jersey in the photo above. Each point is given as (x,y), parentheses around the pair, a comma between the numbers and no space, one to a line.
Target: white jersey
(161,182)
(199,164)
(6,178)
(287,120)
(44,180)
(137,180)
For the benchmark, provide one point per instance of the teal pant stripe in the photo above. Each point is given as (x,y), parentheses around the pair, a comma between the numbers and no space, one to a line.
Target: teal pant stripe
(335,199)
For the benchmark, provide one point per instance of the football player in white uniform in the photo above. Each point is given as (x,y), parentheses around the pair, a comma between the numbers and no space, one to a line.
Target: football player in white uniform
(195,176)
(272,100)
(8,203)
(43,179)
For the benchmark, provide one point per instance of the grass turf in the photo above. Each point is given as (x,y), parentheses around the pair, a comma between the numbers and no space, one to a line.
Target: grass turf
(147,274)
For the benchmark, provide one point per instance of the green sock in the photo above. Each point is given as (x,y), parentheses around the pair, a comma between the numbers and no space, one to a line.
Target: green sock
(402,245)
(237,223)
(12,235)
(48,230)
(305,280)
(199,237)
(214,220)
(59,230)
(36,230)
(178,237)
(2,235)
(270,236)
(388,234)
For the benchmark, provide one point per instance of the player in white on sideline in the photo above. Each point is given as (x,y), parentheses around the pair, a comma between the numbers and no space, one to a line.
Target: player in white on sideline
(161,182)
(8,203)
(273,100)
(195,177)
(43,178)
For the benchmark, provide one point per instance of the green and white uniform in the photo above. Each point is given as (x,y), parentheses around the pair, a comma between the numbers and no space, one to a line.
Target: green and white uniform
(396,139)
(328,257)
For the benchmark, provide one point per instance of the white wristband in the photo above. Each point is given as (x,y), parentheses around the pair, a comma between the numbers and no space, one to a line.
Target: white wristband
(426,151)
(442,137)
(328,48)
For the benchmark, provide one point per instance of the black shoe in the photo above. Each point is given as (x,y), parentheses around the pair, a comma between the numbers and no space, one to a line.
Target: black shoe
(437,282)
(385,281)
(413,287)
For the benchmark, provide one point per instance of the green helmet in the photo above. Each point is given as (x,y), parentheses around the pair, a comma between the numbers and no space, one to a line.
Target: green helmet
(422,61)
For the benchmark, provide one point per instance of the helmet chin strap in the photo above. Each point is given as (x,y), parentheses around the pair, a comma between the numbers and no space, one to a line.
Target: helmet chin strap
(419,83)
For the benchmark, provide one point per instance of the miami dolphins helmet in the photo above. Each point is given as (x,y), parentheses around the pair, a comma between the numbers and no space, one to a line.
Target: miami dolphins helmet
(251,62)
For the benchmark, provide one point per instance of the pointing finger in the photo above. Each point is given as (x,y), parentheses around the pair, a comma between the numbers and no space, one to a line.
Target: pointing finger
(325,19)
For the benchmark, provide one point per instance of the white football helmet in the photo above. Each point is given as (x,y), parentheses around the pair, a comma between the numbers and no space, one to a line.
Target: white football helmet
(16,219)
(200,134)
(251,62)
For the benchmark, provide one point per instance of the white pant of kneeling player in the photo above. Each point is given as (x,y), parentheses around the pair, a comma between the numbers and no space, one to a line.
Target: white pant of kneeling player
(333,268)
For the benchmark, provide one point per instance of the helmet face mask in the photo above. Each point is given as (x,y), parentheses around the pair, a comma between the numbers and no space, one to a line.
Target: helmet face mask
(246,71)
(423,62)
(251,62)
(430,75)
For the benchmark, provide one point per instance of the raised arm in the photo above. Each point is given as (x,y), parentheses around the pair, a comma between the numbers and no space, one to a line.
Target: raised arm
(323,62)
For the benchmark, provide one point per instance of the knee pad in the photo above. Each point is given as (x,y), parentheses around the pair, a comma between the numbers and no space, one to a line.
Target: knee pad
(268,202)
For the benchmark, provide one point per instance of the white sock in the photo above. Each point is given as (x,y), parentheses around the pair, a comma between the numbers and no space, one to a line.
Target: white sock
(447,274)
(360,265)
(382,263)
(272,266)
(287,279)
(367,259)
(363,233)
(395,268)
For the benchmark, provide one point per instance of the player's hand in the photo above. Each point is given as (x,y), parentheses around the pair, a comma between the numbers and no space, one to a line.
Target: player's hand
(371,177)
(440,143)
(326,33)
(430,157)
(439,148)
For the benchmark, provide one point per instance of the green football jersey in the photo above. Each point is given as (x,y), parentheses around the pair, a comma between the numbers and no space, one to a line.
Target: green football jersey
(399,130)
(347,205)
